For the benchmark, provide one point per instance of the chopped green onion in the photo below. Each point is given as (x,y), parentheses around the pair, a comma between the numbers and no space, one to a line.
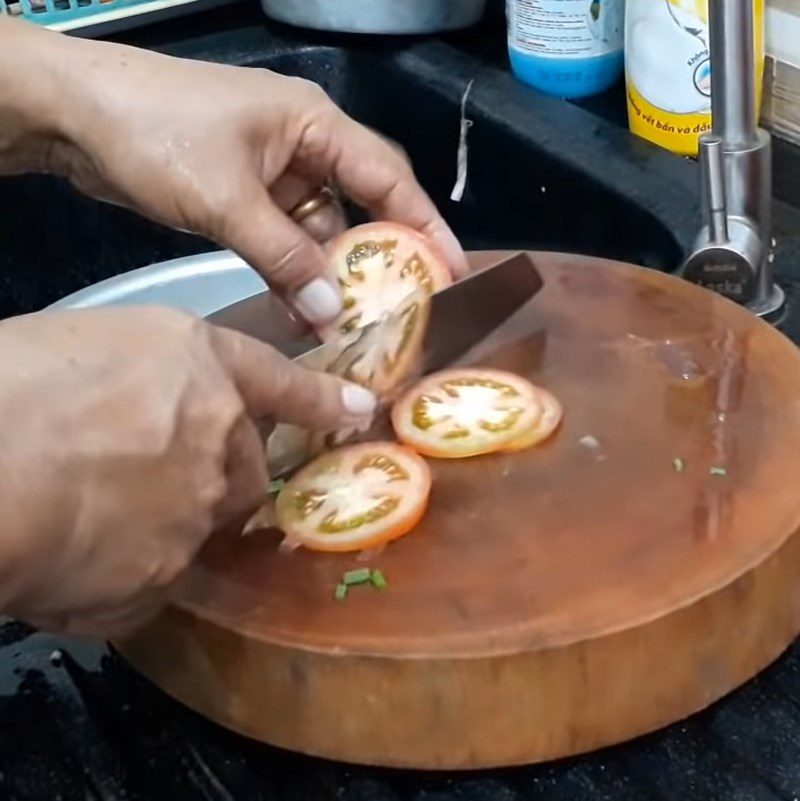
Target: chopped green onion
(276,486)
(360,576)
(718,471)
(677,463)
(378,580)
(341,592)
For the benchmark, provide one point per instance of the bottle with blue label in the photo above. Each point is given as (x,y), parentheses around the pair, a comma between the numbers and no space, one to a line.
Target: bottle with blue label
(566,48)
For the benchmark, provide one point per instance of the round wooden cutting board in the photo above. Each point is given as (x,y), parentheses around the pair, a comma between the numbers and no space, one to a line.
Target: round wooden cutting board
(636,567)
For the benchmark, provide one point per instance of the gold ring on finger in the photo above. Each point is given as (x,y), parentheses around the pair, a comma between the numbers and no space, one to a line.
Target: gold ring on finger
(312,203)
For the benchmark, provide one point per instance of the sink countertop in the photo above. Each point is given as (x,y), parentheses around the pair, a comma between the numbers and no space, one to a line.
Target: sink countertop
(77,724)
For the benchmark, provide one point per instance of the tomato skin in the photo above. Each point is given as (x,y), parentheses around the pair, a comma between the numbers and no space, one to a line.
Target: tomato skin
(403,259)
(412,497)
(504,407)
(552,413)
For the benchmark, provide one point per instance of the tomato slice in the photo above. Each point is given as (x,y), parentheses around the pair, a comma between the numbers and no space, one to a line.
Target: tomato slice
(385,355)
(356,497)
(552,412)
(466,412)
(378,265)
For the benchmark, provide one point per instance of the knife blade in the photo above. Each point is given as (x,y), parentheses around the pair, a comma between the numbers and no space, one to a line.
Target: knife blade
(264,316)
(465,313)
(459,317)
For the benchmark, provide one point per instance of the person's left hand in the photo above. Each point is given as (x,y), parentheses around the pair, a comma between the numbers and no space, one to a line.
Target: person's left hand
(225,152)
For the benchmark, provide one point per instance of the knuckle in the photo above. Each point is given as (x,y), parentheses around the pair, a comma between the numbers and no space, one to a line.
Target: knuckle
(198,331)
(293,263)
(309,91)
(404,167)
(201,363)
(400,152)
(400,168)
(177,330)
(169,317)
(317,141)
(213,491)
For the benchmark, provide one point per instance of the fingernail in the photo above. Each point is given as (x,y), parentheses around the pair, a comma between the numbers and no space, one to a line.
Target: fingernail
(358,401)
(318,301)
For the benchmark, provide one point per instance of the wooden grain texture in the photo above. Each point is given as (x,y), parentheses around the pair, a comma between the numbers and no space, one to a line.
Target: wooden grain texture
(553,601)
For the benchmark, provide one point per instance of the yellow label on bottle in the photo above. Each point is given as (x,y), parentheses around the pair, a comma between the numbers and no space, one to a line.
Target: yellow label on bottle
(677,132)
(668,71)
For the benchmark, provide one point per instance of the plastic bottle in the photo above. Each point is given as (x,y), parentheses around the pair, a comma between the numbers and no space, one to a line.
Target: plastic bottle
(566,48)
(668,72)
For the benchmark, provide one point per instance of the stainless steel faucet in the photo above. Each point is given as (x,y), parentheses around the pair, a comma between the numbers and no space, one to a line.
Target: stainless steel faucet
(732,254)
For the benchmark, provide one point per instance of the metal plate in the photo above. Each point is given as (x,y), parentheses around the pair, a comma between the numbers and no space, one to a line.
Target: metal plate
(198,284)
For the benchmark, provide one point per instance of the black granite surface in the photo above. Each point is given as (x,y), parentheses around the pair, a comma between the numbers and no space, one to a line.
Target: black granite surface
(76,724)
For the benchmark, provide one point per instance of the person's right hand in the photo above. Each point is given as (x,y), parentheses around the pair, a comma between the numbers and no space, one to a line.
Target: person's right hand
(129,436)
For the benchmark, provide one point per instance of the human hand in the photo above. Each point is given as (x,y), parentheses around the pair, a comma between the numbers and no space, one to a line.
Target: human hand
(224,152)
(131,436)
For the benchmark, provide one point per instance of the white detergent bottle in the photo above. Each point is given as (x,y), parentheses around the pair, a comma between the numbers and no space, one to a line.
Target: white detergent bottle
(566,48)
(668,70)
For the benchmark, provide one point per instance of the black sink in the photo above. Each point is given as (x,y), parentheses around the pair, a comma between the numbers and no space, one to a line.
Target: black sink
(542,174)
(527,187)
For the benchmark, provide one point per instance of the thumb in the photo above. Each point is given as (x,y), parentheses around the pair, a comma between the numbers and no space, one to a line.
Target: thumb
(273,386)
(285,255)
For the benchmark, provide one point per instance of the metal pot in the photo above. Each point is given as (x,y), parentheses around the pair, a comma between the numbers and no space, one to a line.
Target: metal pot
(377,16)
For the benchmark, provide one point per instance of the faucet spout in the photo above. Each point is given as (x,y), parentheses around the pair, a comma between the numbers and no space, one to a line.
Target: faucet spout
(732,252)
(733,85)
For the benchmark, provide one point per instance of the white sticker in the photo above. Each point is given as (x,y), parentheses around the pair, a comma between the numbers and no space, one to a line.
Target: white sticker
(558,28)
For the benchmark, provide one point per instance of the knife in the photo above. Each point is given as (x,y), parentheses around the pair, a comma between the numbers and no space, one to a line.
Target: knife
(459,317)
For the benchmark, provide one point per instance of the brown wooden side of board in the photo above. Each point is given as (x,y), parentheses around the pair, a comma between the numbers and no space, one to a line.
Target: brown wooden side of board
(521,643)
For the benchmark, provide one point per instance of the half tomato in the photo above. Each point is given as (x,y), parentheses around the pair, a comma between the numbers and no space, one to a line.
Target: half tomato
(467,412)
(356,497)
(378,265)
